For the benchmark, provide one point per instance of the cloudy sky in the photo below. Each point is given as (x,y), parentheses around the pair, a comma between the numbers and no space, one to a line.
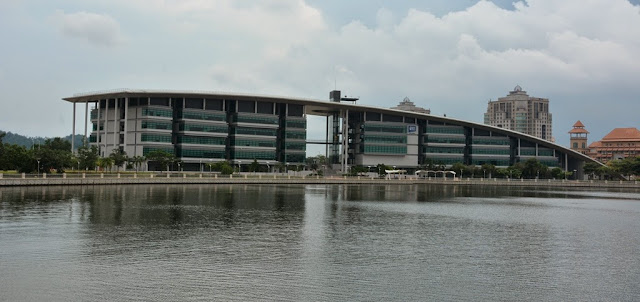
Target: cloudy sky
(449,56)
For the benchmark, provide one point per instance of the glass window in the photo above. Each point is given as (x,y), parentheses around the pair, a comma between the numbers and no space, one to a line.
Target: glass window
(254,119)
(445,129)
(443,150)
(155,125)
(385,149)
(202,140)
(384,128)
(200,153)
(246,106)
(385,139)
(202,115)
(265,107)
(256,131)
(157,112)
(158,138)
(147,150)
(295,110)
(253,143)
(296,124)
(204,128)
(295,135)
(253,154)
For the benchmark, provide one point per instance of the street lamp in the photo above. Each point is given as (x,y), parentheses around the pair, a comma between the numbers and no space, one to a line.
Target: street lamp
(78,165)
(460,174)
(201,165)
(575,176)
(538,174)
(210,164)
(239,166)
(38,160)
(179,168)
(268,168)
(484,173)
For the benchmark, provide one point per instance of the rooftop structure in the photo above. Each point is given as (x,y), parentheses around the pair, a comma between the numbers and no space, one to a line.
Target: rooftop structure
(578,138)
(408,105)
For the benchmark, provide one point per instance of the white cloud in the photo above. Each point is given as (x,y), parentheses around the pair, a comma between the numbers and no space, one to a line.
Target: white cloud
(96,29)
(578,53)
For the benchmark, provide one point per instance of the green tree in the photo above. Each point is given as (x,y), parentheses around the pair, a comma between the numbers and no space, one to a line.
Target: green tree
(557,173)
(163,158)
(137,161)
(54,155)
(88,157)
(105,163)
(254,166)
(17,158)
(119,157)
(223,167)
(381,169)
(58,143)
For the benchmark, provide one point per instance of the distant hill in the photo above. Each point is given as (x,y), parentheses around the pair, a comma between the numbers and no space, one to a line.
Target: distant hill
(27,141)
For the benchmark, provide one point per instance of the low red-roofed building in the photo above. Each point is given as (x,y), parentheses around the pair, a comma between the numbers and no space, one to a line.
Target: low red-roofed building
(618,144)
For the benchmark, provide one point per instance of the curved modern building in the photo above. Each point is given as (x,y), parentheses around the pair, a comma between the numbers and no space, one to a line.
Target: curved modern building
(203,127)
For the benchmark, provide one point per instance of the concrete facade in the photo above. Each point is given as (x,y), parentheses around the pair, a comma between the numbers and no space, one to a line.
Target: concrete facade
(520,112)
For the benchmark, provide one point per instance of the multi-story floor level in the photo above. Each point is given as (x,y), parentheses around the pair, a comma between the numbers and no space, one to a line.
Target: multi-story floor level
(200,128)
(618,144)
(520,112)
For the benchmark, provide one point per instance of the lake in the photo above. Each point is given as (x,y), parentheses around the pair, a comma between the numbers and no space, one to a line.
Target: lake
(318,243)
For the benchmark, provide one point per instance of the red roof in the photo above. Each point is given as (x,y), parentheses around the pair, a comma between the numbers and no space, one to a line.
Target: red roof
(578,124)
(597,144)
(623,134)
(579,130)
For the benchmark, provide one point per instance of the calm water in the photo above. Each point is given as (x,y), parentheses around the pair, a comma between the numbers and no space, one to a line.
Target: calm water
(318,243)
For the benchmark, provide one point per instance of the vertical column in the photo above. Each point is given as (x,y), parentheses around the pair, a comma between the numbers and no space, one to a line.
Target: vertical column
(86,121)
(126,116)
(345,141)
(116,124)
(106,126)
(98,140)
(73,132)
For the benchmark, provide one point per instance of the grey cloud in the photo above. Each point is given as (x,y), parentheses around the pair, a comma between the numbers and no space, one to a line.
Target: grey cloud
(96,29)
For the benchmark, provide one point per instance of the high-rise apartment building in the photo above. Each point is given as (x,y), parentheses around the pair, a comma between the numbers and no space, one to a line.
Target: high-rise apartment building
(520,112)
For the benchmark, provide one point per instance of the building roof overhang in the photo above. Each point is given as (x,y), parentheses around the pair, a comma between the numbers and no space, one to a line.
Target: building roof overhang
(315,107)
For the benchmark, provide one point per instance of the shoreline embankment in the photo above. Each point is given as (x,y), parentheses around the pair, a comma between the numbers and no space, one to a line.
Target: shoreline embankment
(94,179)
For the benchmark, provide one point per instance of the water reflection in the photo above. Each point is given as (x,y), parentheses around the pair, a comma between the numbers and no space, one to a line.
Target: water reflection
(318,243)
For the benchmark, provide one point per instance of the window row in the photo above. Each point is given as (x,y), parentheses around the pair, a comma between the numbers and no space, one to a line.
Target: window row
(445,140)
(205,116)
(296,124)
(384,149)
(384,128)
(155,125)
(385,139)
(200,153)
(158,138)
(156,112)
(251,154)
(202,140)
(147,150)
(256,131)
(204,128)
(491,151)
(445,130)
(256,119)
(443,150)
(253,143)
